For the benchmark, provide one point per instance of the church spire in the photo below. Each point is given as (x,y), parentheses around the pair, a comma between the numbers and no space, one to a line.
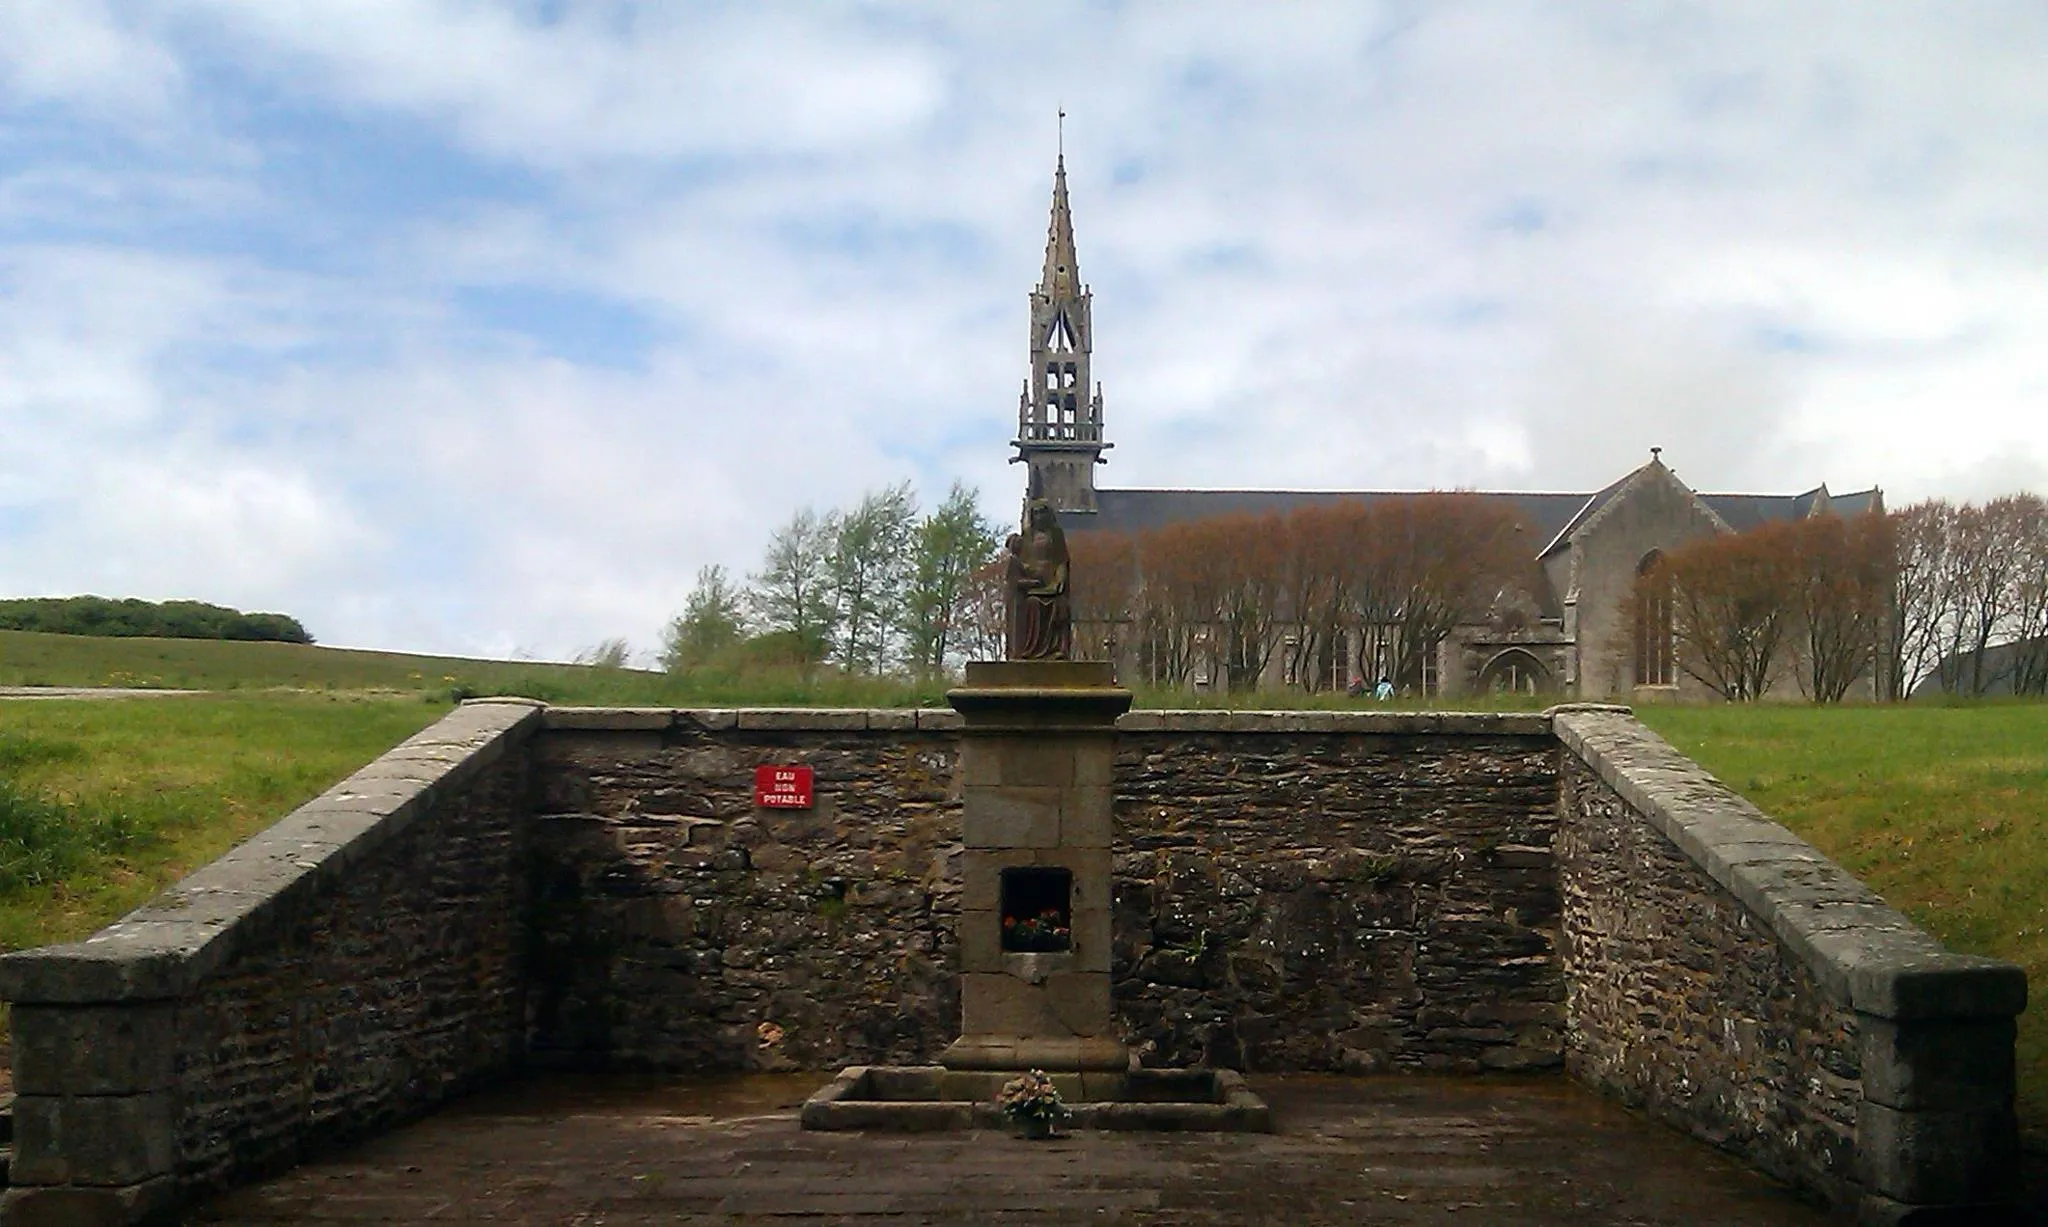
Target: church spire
(1059,424)
(1062,267)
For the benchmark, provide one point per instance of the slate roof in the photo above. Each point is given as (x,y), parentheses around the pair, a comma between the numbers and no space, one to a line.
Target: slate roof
(1135,511)
(1549,515)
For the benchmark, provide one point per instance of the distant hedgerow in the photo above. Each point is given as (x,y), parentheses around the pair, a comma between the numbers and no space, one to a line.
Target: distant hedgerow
(131,618)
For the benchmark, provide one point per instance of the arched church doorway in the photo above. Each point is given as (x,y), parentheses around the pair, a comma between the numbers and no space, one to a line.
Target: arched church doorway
(1515,671)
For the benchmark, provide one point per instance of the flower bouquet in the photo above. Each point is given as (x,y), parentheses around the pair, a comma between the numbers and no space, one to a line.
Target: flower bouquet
(1033,1103)
(1041,932)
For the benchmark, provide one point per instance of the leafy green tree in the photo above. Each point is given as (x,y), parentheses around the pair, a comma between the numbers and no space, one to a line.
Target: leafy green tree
(949,545)
(870,557)
(713,621)
(793,594)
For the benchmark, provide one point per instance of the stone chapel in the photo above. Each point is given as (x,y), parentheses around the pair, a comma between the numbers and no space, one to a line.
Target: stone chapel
(1568,638)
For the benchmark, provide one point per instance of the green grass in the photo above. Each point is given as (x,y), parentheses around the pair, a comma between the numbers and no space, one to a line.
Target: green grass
(29,658)
(1943,810)
(33,659)
(103,803)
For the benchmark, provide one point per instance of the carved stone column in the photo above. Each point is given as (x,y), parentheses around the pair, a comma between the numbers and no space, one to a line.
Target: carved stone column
(1036,758)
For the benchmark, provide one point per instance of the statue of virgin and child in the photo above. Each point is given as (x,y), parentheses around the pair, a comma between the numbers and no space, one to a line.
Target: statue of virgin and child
(1040,616)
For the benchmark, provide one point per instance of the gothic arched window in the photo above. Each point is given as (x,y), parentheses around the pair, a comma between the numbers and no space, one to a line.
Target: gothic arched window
(1655,660)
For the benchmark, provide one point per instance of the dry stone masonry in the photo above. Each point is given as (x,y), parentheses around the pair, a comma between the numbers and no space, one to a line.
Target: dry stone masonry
(1290,891)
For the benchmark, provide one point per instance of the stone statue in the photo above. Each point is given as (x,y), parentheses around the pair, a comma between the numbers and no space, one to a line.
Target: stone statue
(1040,618)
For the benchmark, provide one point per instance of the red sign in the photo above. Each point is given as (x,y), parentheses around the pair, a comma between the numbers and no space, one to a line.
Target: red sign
(782,787)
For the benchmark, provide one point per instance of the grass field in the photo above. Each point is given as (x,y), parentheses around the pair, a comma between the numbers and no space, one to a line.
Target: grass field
(32,659)
(104,802)
(1942,810)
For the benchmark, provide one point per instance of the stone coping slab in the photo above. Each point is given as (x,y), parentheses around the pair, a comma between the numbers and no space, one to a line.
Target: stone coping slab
(167,946)
(1863,952)
(1190,720)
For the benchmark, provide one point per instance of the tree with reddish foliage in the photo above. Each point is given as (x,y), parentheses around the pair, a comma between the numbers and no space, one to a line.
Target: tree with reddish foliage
(1104,590)
(1250,587)
(1842,576)
(1425,563)
(1732,608)
(1181,597)
(1316,551)
(982,620)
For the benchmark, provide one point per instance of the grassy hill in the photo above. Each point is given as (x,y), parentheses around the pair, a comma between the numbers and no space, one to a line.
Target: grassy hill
(105,803)
(1940,809)
(35,659)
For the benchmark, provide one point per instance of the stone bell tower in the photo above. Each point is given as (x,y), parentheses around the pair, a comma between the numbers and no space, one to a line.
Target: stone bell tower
(1059,418)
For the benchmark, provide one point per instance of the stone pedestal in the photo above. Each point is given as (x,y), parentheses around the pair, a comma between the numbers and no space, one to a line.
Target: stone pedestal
(1036,758)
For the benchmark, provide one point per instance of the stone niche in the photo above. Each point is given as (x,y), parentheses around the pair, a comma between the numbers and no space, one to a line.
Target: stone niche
(1037,907)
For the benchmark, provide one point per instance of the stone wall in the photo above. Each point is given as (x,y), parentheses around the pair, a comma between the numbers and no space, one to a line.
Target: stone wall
(1734,982)
(679,927)
(1294,891)
(352,966)
(1339,892)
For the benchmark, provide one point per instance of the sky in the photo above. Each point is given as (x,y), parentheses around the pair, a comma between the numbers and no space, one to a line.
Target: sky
(476,327)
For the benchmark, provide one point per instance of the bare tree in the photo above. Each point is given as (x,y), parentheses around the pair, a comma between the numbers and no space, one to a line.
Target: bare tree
(1987,563)
(2029,663)
(1920,596)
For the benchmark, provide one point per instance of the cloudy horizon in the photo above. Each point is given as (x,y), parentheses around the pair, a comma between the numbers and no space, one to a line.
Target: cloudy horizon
(479,327)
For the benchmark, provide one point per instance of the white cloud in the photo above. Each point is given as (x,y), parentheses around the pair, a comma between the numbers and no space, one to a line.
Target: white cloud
(1498,244)
(80,53)
(605,80)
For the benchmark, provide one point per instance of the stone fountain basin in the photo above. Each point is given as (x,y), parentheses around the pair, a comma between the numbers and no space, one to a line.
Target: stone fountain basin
(932,1098)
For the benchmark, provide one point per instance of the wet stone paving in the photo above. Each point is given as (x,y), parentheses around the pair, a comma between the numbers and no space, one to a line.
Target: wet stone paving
(566,1150)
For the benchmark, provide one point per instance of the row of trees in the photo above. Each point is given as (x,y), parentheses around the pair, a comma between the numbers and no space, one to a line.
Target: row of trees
(1363,589)
(1739,612)
(876,588)
(1955,593)
(1373,586)
(98,615)
(1972,578)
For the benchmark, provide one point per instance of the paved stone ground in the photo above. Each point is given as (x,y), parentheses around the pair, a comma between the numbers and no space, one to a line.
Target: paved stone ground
(619,1153)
